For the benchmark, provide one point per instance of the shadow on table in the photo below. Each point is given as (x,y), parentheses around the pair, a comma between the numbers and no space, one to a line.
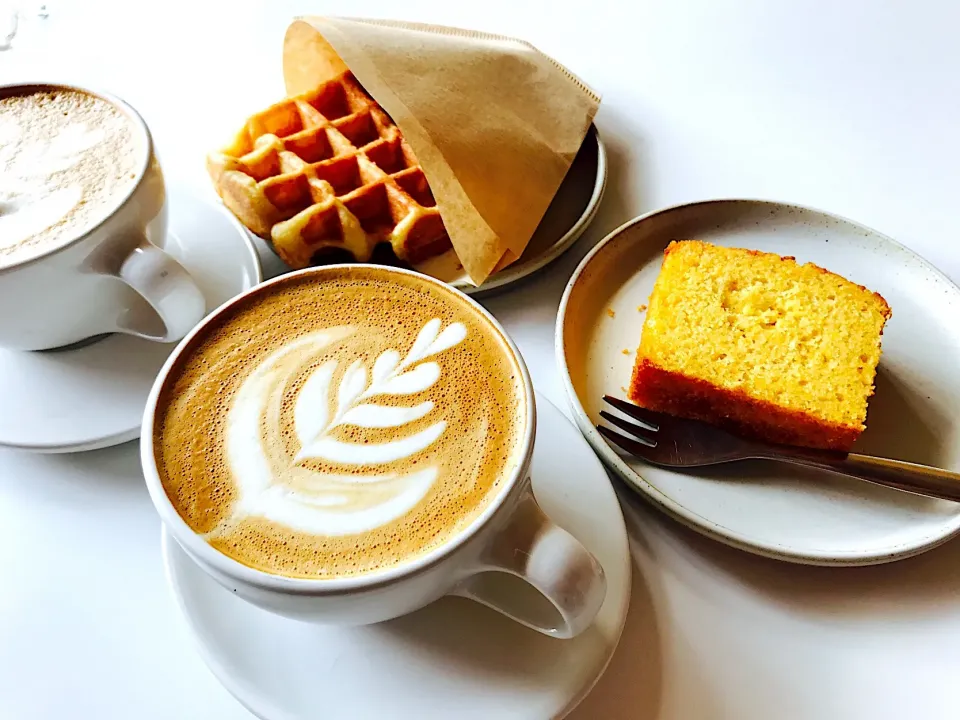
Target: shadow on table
(656,662)
(834,594)
(112,474)
(631,687)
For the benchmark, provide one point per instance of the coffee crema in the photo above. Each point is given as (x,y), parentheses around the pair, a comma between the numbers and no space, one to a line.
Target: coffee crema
(67,158)
(339,423)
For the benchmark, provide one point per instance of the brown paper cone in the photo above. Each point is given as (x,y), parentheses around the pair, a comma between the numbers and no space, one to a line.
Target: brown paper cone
(494,122)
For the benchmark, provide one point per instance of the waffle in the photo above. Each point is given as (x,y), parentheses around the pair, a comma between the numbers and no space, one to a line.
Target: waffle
(328,171)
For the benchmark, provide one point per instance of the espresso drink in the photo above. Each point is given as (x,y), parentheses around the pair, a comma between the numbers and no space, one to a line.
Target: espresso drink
(340,423)
(67,159)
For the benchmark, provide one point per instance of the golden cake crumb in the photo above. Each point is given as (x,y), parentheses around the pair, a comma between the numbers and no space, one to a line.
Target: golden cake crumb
(760,344)
(611,313)
(641,308)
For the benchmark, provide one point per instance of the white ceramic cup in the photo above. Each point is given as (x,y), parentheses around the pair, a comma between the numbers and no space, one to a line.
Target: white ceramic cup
(512,536)
(111,278)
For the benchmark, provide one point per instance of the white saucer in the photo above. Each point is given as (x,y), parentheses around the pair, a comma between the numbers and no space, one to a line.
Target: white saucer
(771,509)
(570,213)
(93,396)
(454,658)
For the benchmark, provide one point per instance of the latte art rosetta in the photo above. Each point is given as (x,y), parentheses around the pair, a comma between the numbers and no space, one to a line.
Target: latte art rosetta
(340,422)
(285,486)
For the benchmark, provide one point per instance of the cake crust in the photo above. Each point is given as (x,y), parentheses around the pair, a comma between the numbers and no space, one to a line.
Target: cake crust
(677,394)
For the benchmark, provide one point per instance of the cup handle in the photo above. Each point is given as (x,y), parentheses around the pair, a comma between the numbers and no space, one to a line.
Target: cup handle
(548,558)
(169,290)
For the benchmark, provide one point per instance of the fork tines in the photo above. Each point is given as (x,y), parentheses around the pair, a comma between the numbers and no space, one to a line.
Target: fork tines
(640,443)
(670,441)
(648,418)
(635,430)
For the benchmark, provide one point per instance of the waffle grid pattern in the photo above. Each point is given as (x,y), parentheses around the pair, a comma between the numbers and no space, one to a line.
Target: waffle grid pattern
(325,171)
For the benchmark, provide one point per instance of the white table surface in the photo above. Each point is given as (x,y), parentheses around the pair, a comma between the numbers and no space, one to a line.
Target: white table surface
(848,106)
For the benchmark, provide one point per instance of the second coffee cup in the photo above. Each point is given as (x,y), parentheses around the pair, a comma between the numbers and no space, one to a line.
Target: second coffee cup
(83,217)
(347,444)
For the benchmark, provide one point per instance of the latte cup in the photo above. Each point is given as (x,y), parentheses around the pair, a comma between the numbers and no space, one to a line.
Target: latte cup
(110,277)
(561,588)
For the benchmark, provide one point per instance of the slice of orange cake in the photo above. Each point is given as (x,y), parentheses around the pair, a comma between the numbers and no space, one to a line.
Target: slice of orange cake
(760,345)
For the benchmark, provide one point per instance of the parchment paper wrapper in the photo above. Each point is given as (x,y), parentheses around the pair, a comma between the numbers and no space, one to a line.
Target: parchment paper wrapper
(494,122)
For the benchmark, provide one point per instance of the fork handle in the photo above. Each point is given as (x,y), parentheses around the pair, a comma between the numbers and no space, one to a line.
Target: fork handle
(911,477)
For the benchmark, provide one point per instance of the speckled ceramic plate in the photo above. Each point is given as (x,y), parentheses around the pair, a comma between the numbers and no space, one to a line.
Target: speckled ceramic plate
(768,508)
(571,211)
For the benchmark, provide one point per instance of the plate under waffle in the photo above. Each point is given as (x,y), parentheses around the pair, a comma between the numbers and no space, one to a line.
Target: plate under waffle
(329,172)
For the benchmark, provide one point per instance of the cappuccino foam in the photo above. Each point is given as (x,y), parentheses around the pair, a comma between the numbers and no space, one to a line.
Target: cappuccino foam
(333,427)
(67,158)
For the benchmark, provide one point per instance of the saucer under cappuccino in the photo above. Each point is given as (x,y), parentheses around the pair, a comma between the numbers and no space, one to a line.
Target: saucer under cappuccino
(338,424)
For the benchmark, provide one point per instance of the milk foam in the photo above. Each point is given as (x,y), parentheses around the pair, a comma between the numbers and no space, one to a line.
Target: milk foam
(290,492)
(56,172)
(339,423)
(24,214)
(29,202)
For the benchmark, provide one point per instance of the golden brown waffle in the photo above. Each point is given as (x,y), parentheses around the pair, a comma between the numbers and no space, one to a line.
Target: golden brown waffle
(329,170)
